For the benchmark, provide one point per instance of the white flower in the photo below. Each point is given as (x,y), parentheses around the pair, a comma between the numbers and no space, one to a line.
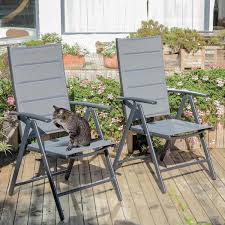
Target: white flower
(220,82)
(180,83)
(101,89)
(188,107)
(216,103)
(120,128)
(195,77)
(110,96)
(205,78)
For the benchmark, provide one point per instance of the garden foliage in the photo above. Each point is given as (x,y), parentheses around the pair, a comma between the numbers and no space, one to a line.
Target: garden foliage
(177,38)
(106,91)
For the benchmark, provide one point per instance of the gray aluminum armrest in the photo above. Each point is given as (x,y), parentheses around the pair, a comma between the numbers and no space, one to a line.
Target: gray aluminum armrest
(92,105)
(31,116)
(134,99)
(186,92)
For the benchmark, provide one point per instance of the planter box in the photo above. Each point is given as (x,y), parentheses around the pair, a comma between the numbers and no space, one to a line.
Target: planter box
(110,62)
(71,61)
(12,133)
(171,60)
(211,55)
(221,57)
(192,60)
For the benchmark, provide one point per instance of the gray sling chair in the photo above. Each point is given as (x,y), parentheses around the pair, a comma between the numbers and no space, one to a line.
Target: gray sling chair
(145,95)
(39,83)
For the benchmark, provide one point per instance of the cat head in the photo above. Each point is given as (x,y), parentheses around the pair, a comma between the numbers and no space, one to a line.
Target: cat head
(60,114)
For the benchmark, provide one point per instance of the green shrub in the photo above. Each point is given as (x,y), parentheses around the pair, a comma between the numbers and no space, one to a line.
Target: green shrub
(109,50)
(4,147)
(102,90)
(5,94)
(175,38)
(74,50)
(33,43)
(51,38)
(150,28)
(211,82)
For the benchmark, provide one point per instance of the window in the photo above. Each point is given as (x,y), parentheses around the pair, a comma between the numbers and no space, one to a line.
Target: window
(103,16)
(17,18)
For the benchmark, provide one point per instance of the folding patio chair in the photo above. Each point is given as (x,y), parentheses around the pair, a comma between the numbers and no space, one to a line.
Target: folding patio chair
(39,83)
(145,95)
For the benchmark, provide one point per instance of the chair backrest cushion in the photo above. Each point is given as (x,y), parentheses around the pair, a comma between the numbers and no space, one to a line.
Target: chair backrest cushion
(38,81)
(142,75)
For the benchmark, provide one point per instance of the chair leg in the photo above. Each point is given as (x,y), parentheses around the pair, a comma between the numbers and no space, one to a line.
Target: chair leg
(19,158)
(156,165)
(152,151)
(69,168)
(124,136)
(48,172)
(208,157)
(112,175)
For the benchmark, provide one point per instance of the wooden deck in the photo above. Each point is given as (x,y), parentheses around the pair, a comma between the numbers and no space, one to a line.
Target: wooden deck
(191,195)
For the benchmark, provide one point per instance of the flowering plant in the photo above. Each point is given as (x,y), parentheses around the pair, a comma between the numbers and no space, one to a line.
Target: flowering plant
(109,50)
(212,82)
(74,50)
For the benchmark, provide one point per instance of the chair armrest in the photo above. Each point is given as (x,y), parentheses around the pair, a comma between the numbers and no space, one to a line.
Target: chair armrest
(134,99)
(31,116)
(91,105)
(186,92)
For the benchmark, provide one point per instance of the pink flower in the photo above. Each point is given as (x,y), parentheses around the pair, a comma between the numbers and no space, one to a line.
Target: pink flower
(10,100)
(205,78)
(188,113)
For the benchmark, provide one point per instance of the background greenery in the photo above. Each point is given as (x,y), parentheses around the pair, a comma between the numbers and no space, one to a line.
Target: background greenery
(106,90)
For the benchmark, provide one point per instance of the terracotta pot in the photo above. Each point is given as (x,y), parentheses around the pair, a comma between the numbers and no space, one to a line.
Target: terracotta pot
(73,61)
(110,62)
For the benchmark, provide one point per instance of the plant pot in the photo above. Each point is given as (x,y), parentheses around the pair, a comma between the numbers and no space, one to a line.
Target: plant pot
(73,61)
(110,62)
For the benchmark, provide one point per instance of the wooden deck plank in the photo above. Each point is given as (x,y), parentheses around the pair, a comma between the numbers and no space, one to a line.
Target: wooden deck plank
(200,194)
(217,184)
(5,175)
(63,185)
(101,203)
(189,197)
(49,208)
(165,201)
(137,195)
(10,203)
(219,135)
(75,201)
(37,196)
(150,196)
(115,207)
(207,186)
(88,202)
(178,199)
(23,204)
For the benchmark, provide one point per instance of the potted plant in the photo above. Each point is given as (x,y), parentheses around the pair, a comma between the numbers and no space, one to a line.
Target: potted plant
(109,56)
(74,56)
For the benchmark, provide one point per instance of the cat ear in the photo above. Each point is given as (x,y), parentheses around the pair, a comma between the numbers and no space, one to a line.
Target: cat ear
(55,107)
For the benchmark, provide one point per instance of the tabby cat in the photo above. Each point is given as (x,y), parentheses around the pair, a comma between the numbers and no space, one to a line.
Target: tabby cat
(76,126)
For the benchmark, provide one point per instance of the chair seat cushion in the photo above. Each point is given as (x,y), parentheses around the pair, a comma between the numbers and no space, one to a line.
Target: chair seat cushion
(58,146)
(171,128)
